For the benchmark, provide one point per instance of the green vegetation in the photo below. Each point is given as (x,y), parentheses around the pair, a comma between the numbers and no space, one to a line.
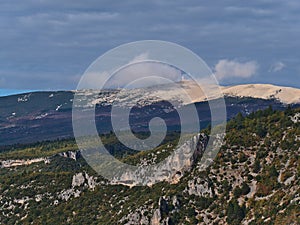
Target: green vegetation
(235,213)
(254,178)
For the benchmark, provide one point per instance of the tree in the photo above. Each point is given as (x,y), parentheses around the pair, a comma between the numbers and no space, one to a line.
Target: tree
(235,213)
(269,111)
(242,157)
(245,189)
(256,166)
(239,121)
(261,130)
(273,172)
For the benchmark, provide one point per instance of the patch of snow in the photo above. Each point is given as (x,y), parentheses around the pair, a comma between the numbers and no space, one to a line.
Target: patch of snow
(58,107)
(41,116)
(24,98)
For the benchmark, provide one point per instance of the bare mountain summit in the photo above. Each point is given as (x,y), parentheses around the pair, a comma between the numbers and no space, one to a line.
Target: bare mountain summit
(285,95)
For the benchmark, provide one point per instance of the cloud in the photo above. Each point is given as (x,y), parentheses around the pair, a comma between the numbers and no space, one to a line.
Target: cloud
(231,68)
(277,67)
(136,74)
(144,74)
(139,58)
(63,37)
(248,10)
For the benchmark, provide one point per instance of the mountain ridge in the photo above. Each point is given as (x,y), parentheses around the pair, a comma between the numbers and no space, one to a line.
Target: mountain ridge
(285,94)
(47,115)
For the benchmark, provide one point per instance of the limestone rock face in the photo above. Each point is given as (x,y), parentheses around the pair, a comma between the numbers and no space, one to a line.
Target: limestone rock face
(136,217)
(148,214)
(22,162)
(70,154)
(163,208)
(78,180)
(171,169)
(199,187)
(296,118)
(90,181)
(81,179)
(175,202)
(68,193)
(155,220)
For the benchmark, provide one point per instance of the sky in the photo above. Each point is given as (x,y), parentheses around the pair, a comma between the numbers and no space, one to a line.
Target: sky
(48,44)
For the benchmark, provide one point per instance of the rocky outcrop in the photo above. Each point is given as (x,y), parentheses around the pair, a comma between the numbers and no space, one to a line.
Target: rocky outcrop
(163,208)
(68,193)
(199,187)
(146,215)
(83,179)
(91,182)
(78,180)
(22,162)
(75,155)
(137,217)
(70,154)
(171,169)
(156,219)
(295,118)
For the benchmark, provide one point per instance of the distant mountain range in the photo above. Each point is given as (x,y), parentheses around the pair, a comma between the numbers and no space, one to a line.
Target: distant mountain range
(37,116)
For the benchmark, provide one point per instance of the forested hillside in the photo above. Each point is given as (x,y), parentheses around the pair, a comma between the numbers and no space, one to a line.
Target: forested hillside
(253,180)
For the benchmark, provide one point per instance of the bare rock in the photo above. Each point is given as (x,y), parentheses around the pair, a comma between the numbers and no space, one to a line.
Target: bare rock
(70,154)
(170,170)
(78,180)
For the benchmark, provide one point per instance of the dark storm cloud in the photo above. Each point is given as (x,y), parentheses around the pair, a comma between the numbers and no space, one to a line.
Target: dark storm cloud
(48,44)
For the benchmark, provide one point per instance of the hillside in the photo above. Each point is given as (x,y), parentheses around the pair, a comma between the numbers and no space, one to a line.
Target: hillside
(253,180)
(38,116)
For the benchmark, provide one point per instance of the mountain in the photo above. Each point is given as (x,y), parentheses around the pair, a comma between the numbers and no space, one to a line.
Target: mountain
(286,95)
(253,180)
(37,116)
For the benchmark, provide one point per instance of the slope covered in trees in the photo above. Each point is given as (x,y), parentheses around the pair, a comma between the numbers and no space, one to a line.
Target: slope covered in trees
(254,180)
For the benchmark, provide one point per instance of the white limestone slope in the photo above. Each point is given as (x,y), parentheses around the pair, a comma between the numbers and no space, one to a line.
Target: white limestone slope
(286,95)
(186,92)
